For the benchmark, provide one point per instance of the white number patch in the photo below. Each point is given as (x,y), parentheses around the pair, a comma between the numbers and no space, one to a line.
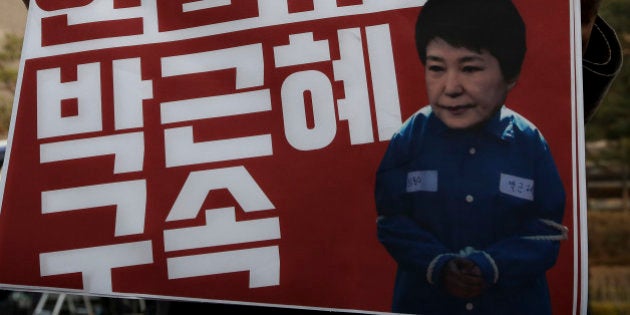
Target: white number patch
(517,186)
(422,181)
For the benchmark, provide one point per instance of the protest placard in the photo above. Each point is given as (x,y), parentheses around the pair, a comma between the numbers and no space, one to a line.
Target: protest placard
(227,150)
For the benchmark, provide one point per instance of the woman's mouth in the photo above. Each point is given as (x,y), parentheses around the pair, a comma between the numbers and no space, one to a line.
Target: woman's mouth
(456,109)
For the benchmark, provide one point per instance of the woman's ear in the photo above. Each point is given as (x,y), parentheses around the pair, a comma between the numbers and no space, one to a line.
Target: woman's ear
(512,82)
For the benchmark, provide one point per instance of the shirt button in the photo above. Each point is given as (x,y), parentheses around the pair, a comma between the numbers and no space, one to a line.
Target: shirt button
(472,151)
(469,306)
(470,198)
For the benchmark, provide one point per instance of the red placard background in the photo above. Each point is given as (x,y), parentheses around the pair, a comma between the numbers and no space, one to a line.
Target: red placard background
(329,254)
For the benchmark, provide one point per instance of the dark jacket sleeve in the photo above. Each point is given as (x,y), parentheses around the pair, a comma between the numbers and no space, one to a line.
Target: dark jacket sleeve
(601,63)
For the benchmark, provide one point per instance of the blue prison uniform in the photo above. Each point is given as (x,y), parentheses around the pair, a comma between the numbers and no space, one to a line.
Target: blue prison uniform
(491,194)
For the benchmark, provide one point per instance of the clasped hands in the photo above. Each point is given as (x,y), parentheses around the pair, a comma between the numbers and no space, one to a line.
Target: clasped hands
(462,278)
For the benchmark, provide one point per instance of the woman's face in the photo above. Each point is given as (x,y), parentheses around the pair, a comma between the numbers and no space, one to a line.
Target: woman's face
(465,87)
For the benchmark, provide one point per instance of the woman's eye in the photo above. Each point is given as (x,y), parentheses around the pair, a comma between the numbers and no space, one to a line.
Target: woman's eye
(471,69)
(434,68)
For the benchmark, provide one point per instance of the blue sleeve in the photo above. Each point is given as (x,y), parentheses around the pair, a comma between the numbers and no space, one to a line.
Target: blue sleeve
(534,249)
(412,247)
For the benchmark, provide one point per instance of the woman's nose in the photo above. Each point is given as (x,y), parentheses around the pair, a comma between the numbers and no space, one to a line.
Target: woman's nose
(452,85)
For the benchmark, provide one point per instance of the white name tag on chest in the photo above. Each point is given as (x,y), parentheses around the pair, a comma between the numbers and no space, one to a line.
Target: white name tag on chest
(422,181)
(519,187)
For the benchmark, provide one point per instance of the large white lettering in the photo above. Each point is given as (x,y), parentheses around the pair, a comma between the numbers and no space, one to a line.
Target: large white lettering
(96,263)
(51,92)
(222,228)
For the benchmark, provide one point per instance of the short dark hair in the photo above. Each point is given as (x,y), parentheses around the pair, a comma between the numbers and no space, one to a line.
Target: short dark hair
(492,25)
